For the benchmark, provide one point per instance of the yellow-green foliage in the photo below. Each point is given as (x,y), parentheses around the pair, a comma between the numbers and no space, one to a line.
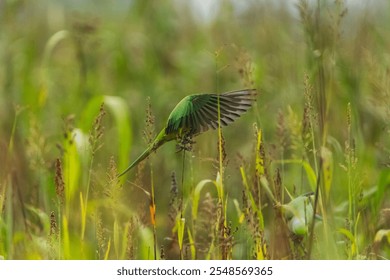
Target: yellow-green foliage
(78,81)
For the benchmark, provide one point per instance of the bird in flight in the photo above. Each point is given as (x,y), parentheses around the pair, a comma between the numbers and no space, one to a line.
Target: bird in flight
(198,113)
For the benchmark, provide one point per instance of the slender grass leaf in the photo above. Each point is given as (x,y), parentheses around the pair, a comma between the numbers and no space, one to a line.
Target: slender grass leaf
(107,253)
(196,197)
(145,245)
(350,237)
(382,233)
(240,214)
(75,154)
(116,237)
(83,215)
(180,231)
(327,160)
(65,239)
(192,244)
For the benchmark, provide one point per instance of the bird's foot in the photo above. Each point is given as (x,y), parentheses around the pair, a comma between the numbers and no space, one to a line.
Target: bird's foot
(184,144)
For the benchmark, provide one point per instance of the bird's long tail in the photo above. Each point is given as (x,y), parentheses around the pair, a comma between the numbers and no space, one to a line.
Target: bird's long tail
(144,155)
(158,141)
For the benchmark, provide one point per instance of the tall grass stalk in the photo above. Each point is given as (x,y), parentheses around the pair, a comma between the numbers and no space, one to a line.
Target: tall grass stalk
(313,219)
(6,188)
(351,161)
(221,221)
(260,174)
(152,209)
(94,145)
(181,221)
(149,136)
(60,191)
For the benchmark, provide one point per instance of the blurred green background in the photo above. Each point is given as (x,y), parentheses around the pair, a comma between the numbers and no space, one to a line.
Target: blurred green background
(322,72)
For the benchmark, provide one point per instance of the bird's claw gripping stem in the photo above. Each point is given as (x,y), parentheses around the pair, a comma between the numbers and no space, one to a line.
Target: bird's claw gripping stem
(184,143)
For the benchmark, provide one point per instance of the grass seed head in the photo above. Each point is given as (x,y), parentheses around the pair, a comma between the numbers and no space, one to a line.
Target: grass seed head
(149,131)
(59,180)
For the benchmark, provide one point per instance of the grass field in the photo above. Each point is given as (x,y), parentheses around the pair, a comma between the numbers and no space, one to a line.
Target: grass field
(84,87)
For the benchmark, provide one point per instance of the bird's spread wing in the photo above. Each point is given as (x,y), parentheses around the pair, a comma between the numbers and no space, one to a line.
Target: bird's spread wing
(198,113)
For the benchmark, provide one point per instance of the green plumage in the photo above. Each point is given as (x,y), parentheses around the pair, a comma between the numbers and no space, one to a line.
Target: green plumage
(197,113)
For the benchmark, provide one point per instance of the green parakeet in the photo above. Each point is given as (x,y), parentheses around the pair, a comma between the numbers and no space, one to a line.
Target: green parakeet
(299,213)
(198,113)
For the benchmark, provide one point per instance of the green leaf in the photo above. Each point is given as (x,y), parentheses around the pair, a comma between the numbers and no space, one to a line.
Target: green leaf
(196,197)
(116,237)
(351,238)
(76,150)
(192,244)
(327,159)
(146,241)
(119,110)
(382,233)
(180,231)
